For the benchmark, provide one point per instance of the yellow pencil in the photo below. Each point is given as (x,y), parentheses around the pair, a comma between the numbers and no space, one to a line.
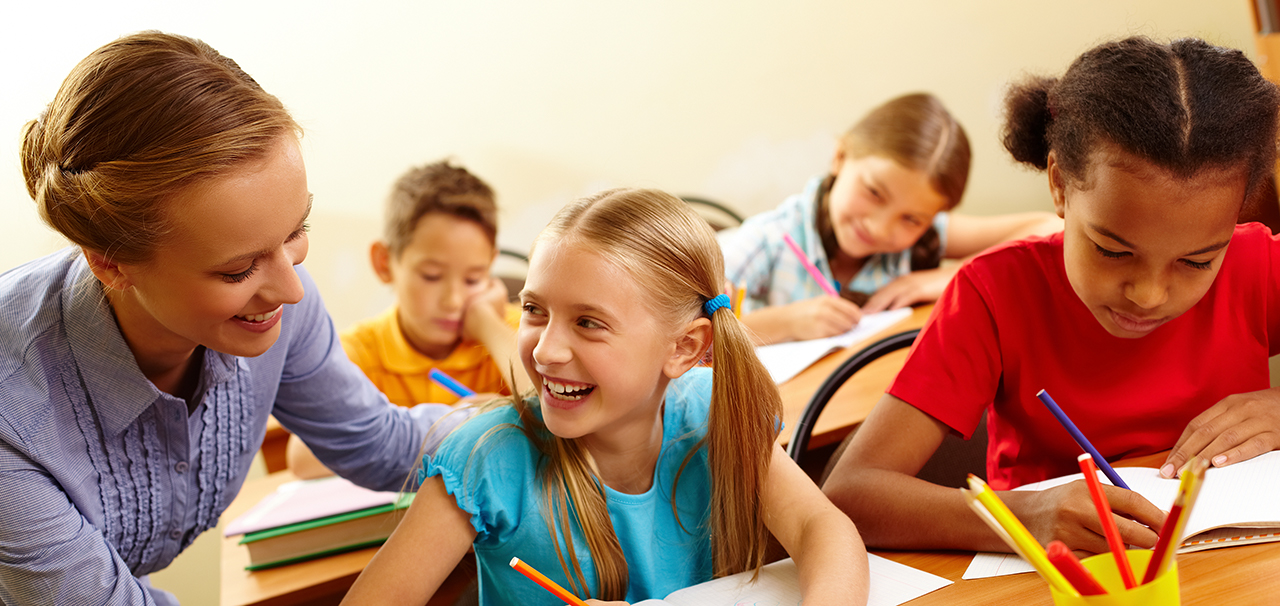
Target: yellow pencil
(742,295)
(1023,543)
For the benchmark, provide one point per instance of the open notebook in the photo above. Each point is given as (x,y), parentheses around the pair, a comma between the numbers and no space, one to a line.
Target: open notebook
(1238,505)
(891,584)
(786,360)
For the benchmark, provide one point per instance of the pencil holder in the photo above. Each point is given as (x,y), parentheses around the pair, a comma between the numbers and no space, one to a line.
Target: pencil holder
(1163,591)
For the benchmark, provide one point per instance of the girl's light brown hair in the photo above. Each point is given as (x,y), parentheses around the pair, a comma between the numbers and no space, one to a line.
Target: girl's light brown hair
(917,132)
(672,254)
(137,121)
(437,188)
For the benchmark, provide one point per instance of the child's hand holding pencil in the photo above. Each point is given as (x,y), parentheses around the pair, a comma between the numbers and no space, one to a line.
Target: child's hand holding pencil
(1067,513)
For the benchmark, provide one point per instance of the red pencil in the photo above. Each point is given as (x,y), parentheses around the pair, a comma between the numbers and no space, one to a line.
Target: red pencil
(1070,567)
(1108,522)
(1171,531)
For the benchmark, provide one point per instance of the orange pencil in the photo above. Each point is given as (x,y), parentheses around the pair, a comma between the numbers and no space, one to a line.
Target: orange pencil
(1108,522)
(548,584)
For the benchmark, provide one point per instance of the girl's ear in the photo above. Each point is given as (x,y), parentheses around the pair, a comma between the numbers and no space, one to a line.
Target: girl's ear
(112,275)
(1057,185)
(380,258)
(690,345)
(838,159)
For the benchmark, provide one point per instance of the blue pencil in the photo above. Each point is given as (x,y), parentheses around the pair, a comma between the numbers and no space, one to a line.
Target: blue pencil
(1080,439)
(451,383)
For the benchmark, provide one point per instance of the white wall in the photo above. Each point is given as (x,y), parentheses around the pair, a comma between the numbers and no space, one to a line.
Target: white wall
(549,100)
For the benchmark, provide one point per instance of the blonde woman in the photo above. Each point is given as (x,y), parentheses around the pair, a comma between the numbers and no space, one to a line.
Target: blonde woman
(629,473)
(138,367)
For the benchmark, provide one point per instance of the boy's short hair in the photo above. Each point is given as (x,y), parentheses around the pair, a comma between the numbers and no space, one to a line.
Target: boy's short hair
(437,188)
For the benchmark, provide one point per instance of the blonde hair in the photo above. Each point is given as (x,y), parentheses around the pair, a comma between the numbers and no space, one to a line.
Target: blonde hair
(137,121)
(673,255)
(917,132)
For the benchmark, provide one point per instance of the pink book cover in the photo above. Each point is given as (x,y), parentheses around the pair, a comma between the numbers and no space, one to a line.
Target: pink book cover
(307,500)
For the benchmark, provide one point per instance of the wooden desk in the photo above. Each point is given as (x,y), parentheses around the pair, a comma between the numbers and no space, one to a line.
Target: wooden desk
(1233,575)
(851,405)
(321,581)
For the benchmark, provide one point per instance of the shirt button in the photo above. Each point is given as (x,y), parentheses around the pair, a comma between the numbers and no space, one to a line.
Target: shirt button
(180,467)
(175,534)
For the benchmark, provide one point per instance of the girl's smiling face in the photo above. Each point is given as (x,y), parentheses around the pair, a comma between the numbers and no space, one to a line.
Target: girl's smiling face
(1142,246)
(876,205)
(600,358)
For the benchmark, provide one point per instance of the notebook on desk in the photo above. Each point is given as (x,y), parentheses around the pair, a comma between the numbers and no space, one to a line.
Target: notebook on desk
(786,360)
(1238,505)
(779,585)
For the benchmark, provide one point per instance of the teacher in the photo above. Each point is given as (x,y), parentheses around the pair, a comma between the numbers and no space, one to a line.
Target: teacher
(138,367)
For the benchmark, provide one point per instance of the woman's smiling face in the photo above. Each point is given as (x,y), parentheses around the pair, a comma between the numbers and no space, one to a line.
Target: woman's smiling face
(224,271)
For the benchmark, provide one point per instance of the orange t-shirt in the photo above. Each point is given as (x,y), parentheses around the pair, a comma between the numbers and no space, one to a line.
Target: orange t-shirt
(378,347)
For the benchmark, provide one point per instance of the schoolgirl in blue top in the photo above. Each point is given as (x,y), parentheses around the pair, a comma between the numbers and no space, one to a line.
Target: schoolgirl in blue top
(630,473)
(138,367)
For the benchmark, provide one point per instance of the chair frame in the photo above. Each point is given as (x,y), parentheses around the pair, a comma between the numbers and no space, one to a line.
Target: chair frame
(804,427)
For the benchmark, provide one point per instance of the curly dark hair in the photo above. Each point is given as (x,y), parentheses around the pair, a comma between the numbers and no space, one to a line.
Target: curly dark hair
(1185,106)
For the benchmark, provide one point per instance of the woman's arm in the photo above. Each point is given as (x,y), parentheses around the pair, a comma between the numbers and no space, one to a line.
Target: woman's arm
(874,483)
(426,546)
(829,555)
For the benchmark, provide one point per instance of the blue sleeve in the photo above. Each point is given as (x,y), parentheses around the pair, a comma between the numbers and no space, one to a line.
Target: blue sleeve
(49,553)
(333,407)
(489,467)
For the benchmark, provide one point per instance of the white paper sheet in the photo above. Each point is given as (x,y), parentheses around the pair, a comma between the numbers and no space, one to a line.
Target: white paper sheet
(892,584)
(786,360)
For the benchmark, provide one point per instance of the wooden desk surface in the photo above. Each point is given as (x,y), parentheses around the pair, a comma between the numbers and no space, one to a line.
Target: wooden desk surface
(851,405)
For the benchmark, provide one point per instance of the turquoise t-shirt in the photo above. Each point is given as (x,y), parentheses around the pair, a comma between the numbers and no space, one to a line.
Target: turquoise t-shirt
(497,483)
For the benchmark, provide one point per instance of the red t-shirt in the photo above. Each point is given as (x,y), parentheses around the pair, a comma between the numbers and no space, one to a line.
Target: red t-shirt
(1009,325)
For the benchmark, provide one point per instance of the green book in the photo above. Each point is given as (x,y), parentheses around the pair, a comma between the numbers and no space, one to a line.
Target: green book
(323,536)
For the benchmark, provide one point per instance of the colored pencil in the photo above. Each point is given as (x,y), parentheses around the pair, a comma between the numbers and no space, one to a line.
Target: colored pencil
(1024,544)
(1176,522)
(541,579)
(450,383)
(1108,521)
(742,295)
(1080,439)
(809,266)
(1070,567)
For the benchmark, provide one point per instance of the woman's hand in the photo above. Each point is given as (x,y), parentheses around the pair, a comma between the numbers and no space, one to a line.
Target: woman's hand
(1067,513)
(924,286)
(1236,429)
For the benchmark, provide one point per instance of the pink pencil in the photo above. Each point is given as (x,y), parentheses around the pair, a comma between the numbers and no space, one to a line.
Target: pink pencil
(809,266)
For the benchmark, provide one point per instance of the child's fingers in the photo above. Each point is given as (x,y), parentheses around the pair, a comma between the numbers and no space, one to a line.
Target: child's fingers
(1136,518)
(1239,427)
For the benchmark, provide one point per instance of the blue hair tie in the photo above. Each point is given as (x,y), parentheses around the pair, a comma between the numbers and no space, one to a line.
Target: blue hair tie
(712,304)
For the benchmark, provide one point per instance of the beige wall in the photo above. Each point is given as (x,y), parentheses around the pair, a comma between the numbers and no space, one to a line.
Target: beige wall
(739,101)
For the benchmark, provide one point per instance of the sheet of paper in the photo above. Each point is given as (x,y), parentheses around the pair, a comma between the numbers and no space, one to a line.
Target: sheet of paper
(786,360)
(1235,495)
(779,585)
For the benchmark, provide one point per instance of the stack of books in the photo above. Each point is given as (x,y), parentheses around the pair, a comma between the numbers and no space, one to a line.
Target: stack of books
(313,518)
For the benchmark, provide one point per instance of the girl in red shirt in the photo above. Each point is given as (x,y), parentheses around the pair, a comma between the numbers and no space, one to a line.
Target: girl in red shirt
(1150,318)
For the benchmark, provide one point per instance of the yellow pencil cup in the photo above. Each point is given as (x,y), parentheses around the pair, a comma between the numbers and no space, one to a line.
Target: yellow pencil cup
(1163,591)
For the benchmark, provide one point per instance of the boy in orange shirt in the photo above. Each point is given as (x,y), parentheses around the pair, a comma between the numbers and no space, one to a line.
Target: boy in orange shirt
(438,244)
